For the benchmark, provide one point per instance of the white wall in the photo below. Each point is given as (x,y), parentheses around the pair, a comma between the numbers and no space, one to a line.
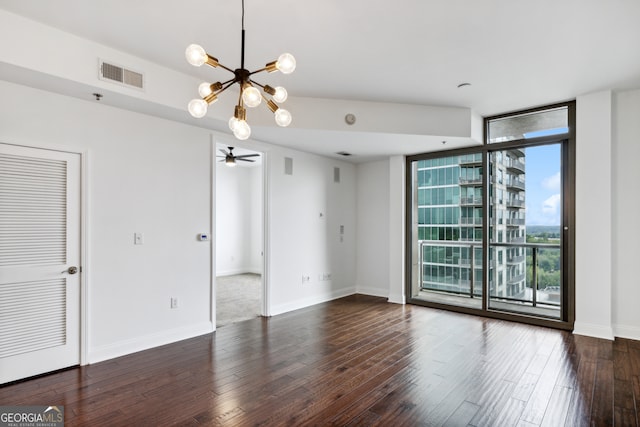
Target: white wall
(238,220)
(257,209)
(593,215)
(372,228)
(144,175)
(626,206)
(306,210)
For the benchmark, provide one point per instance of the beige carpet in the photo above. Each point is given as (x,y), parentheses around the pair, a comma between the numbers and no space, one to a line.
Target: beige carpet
(237,298)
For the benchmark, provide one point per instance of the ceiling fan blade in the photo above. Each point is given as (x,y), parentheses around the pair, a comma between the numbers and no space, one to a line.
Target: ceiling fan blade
(247,155)
(245,160)
(223,151)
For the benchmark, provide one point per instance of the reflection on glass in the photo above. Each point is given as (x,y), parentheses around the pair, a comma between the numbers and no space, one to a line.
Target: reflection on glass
(529,125)
(447,212)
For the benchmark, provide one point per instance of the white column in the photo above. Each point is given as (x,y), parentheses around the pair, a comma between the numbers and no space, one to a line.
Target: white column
(396,229)
(593,228)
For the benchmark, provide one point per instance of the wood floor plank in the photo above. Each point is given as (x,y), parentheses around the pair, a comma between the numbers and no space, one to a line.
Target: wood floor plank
(356,361)
(603,395)
(463,415)
(556,413)
(579,411)
(540,397)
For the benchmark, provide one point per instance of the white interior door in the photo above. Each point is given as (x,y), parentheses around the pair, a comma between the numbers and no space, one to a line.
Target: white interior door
(39,261)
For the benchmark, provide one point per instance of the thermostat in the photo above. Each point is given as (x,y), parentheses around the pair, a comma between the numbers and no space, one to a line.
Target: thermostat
(203,237)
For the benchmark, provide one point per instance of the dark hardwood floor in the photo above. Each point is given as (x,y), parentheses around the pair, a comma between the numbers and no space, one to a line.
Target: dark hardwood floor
(356,361)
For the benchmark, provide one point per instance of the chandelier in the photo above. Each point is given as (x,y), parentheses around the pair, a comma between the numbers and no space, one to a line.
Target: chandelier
(250,95)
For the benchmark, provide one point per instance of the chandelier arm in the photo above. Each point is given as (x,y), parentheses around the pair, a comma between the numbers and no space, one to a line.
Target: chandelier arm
(229,82)
(256,83)
(225,88)
(226,68)
(258,71)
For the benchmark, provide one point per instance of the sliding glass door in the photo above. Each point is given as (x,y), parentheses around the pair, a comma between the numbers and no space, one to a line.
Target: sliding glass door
(490,228)
(526,236)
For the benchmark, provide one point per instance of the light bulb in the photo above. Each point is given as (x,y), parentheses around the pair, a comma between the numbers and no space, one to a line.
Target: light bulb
(280,95)
(283,117)
(204,89)
(251,96)
(232,123)
(195,55)
(197,108)
(230,161)
(286,63)
(242,130)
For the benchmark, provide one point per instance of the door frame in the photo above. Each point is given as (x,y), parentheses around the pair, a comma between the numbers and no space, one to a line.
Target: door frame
(264,220)
(84,223)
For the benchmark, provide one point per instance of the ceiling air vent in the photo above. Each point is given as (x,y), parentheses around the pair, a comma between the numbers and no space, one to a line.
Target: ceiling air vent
(344,153)
(118,74)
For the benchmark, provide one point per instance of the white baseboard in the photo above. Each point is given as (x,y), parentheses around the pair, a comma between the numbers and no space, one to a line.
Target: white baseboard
(374,292)
(307,302)
(237,271)
(625,331)
(146,342)
(592,330)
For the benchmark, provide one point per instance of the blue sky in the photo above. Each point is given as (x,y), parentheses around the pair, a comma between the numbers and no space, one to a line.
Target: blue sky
(542,182)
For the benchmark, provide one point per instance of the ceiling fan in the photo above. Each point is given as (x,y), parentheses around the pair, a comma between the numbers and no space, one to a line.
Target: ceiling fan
(230,159)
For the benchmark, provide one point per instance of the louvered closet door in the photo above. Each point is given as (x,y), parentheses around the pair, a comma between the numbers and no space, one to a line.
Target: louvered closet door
(39,242)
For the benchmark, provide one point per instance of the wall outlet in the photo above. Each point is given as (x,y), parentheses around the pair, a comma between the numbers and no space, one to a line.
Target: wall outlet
(306,278)
(174,302)
(326,276)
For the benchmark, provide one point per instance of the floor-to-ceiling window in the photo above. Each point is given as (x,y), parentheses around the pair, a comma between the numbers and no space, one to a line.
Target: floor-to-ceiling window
(490,229)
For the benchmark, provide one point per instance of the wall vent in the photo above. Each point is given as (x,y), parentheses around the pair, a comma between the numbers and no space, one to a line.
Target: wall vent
(115,73)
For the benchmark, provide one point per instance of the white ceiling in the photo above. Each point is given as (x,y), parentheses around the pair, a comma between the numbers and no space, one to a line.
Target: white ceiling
(516,54)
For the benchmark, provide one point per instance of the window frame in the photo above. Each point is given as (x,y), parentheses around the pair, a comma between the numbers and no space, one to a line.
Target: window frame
(568,159)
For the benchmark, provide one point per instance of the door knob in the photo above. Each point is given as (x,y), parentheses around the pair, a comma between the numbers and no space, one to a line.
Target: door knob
(71,270)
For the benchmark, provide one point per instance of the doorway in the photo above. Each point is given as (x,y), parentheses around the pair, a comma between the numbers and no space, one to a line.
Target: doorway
(239,234)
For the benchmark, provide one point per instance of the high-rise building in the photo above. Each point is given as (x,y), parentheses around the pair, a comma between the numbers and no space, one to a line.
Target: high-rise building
(450,221)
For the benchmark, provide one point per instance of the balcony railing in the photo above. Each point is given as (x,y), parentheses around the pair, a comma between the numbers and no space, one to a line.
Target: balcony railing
(515,259)
(515,183)
(515,203)
(533,286)
(468,220)
(516,279)
(472,288)
(517,151)
(473,201)
(515,166)
(471,161)
(471,181)
(514,221)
